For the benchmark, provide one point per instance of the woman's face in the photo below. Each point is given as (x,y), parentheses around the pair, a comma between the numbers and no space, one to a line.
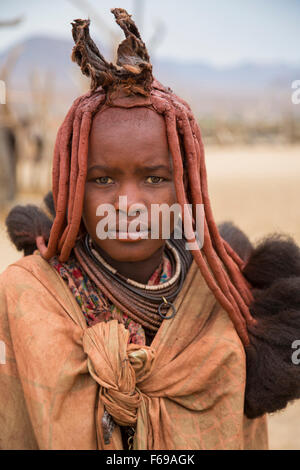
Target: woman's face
(128,156)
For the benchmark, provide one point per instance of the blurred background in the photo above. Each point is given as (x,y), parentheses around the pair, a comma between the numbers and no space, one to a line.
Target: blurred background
(234,62)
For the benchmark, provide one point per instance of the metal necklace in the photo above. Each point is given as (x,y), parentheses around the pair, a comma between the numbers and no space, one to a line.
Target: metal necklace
(148,305)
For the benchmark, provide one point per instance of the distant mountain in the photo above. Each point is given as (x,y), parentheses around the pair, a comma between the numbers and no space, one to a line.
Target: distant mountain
(240,90)
(43,54)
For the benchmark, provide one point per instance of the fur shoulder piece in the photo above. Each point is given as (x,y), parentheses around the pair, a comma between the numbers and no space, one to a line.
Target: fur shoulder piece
(273,363)
(273,371)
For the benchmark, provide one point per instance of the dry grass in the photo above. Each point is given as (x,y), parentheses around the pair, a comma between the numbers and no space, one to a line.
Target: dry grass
(257,188)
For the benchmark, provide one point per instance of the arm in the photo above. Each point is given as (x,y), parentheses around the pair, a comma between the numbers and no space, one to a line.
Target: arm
(16,431)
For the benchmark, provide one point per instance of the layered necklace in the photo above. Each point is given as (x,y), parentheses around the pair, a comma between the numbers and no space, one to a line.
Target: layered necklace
(146,304)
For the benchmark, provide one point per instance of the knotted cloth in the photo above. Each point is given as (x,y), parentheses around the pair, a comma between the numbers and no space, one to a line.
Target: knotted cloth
(117,367)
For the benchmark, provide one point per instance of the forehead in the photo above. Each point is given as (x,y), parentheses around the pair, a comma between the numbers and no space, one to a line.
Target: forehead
(114,120)
(120,134)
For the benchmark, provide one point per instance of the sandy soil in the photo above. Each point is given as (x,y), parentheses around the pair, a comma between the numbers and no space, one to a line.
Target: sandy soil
(257,188)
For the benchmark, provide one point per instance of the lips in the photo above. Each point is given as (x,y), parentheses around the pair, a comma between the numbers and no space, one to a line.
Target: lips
(130,232)
(129,229)
(128,236)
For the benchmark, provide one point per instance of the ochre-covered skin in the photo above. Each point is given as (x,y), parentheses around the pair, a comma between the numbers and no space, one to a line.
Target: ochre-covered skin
(141,169)
(219,264)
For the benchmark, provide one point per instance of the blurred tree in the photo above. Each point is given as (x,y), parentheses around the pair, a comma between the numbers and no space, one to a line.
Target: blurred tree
(8,130)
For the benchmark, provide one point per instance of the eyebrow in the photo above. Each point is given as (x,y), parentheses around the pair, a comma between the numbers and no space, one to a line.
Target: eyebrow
(155,167)
(101,168)
(116,170)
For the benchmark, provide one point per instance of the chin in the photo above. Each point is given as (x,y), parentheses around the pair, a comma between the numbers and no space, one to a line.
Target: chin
(129,251)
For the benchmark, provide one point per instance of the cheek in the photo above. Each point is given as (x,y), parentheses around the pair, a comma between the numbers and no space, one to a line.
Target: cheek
(173,196)
(169,196)
(92,199)
(172,193)
(166,195)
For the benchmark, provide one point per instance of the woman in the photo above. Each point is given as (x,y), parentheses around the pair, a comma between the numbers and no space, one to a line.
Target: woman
(117,343)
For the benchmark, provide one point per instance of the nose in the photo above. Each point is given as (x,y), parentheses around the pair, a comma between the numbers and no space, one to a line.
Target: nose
(129,200)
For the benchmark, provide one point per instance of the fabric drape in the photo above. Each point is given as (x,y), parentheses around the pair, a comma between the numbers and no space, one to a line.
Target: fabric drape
(184,391)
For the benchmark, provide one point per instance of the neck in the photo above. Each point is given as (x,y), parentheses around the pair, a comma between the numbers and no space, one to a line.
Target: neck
(139,271)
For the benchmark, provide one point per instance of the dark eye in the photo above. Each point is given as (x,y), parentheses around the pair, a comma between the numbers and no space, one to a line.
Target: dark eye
(104,180)
(154,179)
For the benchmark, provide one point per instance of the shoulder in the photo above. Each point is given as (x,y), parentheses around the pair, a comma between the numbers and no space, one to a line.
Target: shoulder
(33,284)
(32,277)
(31,268)
(28,263)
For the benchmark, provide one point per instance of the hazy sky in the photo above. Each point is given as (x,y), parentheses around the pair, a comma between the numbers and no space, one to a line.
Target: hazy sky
(223,32)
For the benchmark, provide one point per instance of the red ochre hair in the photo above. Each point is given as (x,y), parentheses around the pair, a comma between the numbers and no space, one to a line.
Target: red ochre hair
(130,83)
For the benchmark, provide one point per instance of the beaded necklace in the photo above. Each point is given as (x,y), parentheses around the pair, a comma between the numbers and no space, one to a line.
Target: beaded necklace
(146,305)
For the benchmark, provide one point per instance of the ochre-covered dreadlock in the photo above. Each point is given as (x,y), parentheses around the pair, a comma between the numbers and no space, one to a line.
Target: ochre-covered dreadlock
(132,76)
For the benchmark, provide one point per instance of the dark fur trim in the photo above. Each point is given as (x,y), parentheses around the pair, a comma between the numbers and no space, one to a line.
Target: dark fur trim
(236,239)
(273,269)
(272,378)
(276,256)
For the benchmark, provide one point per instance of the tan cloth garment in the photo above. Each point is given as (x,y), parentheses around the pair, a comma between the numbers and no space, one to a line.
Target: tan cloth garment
(186,390)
